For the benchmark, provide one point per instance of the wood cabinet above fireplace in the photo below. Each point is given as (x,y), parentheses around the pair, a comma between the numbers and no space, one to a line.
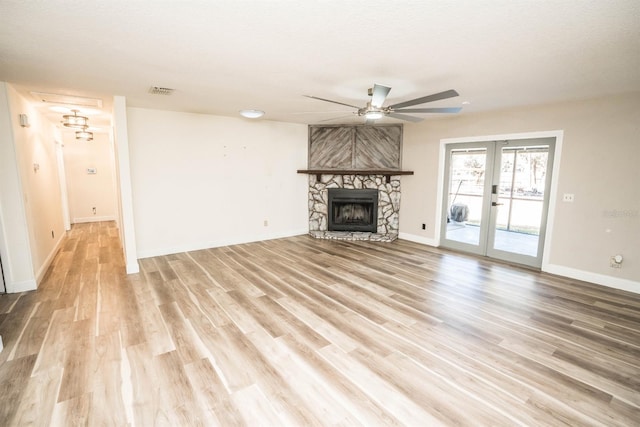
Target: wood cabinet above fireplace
(355,147)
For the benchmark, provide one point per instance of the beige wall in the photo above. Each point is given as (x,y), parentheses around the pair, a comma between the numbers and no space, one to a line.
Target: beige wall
(202,181)
(600,164)
(35,148)
(86,191)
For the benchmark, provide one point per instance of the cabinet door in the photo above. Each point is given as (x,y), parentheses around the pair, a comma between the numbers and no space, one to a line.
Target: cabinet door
(331,147)
(378,147)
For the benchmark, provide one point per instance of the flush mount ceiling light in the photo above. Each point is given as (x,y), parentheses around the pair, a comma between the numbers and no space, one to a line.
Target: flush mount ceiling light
(74,121)
(251,114)
(84,134)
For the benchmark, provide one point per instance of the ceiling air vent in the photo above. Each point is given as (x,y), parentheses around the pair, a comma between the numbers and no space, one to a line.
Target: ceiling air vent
(157,90)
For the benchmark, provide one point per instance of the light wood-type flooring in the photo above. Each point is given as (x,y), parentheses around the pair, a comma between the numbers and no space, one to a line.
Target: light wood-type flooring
(306,332)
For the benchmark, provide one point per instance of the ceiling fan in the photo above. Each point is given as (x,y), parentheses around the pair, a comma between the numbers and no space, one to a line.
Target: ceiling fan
(374,109)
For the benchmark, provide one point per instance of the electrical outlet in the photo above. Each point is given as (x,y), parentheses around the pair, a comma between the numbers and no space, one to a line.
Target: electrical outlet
(424,226)
(52,235)
(568,197)
(266,223)
(94,210)
(616,261)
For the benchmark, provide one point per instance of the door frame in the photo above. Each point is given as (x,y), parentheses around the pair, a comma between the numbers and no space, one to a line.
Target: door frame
(555,172)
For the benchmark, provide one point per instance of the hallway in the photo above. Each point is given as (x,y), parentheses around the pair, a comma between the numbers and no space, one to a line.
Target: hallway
(61,341)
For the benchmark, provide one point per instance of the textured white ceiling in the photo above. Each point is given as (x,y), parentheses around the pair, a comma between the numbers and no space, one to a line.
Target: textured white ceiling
(225,55)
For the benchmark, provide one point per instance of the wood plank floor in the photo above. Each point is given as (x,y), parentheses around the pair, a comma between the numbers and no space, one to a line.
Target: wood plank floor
(303,332)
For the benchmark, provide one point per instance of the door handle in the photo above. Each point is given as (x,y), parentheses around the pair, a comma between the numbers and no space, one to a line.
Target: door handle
(496,204)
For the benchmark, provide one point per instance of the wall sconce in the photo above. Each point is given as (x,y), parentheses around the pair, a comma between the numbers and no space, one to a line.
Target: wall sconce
(24,120)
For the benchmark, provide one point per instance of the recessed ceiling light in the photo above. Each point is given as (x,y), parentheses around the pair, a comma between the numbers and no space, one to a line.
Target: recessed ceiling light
(252,114)
(466,102)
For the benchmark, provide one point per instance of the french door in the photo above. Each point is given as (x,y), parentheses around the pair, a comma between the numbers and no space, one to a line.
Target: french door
(496,198)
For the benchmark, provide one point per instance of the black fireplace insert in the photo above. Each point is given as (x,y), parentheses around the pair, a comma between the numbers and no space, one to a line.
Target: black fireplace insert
(353,210)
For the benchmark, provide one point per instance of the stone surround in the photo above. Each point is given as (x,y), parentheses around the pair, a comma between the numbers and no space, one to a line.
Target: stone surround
(388,205)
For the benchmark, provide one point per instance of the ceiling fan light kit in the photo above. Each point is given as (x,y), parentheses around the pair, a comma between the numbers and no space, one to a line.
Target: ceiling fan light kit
(374,109)
(373,115)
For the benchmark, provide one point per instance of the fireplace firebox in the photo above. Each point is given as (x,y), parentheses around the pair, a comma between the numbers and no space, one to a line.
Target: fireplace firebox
(353,209)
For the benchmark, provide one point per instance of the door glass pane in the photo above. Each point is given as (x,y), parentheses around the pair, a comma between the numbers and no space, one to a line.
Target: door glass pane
(467,173)
(520,199)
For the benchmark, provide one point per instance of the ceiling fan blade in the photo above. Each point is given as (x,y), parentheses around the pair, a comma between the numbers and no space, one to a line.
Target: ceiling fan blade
(429,98)
(323,112)
(379,95)
(405,117)
(429,110)
(328,100)
(335,118)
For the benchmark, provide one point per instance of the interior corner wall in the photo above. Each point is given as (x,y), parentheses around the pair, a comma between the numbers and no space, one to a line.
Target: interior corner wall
(89,173)
(599,164)
(204,181)
(14,234)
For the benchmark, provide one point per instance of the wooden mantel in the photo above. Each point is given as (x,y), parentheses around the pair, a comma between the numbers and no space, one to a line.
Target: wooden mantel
(387,173)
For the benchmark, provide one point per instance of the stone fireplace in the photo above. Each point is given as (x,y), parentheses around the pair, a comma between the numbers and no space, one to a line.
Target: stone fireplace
(386,214)
(354,181)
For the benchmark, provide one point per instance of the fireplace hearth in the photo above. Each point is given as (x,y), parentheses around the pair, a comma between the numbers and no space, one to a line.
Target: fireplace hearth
(353,210)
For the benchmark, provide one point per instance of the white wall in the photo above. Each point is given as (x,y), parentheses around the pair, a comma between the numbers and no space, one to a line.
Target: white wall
(14,234)
(123,184)
(600,164)
(203,181)
(35,153)
(86,191)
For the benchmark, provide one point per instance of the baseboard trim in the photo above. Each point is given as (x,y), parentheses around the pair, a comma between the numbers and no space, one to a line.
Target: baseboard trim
(133,267)
(417,239)
(23,286)
(45,266)
(568,272)
(93,219)
(217,243)
(599,279)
